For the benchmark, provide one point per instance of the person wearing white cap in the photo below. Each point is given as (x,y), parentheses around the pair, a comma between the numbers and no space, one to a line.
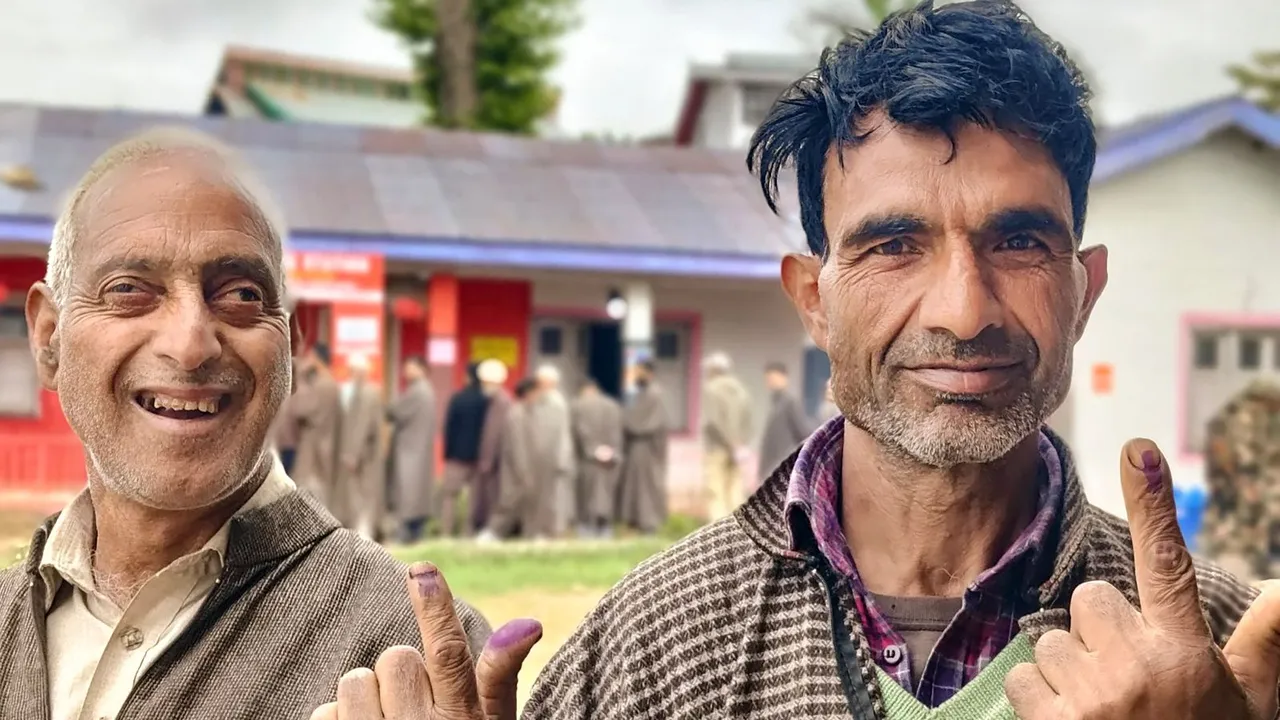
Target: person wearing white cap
(726,424)
(360,486)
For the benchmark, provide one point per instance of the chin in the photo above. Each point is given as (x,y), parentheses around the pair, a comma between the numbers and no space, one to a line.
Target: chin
(184,485)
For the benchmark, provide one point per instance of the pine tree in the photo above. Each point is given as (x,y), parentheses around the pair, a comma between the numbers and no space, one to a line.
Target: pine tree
(1261,80)
(483,64)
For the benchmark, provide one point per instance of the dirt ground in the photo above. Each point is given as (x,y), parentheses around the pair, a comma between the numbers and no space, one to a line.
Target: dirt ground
(559,612)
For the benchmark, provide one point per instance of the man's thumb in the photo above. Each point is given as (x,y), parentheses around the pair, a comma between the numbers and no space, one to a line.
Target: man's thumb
(1253,652)
(498,670)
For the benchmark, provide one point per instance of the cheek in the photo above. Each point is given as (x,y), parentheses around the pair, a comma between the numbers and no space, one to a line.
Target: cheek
(862,318)
(1050,313)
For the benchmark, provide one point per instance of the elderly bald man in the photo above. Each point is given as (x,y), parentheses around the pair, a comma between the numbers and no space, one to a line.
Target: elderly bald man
(191,578)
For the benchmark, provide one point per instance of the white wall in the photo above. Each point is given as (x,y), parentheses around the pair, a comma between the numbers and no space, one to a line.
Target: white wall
(718,122)
(1198,232)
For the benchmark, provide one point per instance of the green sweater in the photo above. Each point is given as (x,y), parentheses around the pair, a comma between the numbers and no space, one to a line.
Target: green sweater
(981,699)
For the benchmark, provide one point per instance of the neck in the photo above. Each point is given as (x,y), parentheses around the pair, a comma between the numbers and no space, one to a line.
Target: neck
(922,531)
(134,542)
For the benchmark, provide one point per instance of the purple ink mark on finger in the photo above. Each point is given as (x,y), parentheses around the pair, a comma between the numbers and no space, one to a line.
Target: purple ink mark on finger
(514,632)
(1151,469)
(428,578)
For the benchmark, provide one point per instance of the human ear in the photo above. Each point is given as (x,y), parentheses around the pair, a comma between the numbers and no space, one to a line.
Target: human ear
(800,275)
(42,329)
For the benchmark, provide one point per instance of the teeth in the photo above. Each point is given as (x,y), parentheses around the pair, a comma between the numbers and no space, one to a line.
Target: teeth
(163,402)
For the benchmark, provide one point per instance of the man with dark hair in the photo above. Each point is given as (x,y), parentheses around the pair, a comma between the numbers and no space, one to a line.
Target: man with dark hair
(317,409)
(931,554)
(786,425)
(413,451)
(642,491)
(464,423)
(597,436)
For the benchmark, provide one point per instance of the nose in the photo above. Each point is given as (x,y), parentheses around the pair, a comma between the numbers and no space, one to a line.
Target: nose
(188,333)
(960,299)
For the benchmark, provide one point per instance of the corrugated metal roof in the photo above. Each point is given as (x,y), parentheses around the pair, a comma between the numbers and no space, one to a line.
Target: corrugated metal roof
(1136,145)
(407,186)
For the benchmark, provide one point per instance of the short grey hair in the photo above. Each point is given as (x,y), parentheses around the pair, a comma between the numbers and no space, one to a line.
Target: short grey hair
(147,145)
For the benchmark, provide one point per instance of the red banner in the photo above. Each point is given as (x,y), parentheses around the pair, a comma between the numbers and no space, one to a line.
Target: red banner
(353,286)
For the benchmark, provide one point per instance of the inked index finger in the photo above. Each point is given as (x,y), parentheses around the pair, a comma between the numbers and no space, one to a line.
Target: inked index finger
(1162,564)
(447,654)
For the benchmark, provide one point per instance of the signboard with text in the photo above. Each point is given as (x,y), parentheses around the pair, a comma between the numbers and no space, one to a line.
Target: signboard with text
(353,286)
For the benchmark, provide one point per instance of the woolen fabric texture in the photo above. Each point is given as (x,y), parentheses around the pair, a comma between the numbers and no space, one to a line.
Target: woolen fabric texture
(299,603)
(732,623)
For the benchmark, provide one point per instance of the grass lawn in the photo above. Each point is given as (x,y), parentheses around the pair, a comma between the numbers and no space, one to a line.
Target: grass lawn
(477,571)
(557,583)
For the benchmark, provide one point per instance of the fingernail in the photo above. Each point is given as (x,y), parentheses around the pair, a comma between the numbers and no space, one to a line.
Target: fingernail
(514,632)
(427,577)
(1151,467)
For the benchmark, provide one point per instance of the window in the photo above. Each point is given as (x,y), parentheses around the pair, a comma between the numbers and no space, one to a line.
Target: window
(1250,352)
(1206,351)
(19,385)
(550,341)
(666,345)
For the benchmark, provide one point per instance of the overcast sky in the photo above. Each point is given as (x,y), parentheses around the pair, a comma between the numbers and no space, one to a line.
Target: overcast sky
(624,70)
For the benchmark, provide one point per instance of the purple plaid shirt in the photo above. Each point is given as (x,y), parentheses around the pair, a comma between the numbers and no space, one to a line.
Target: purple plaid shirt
(988,618)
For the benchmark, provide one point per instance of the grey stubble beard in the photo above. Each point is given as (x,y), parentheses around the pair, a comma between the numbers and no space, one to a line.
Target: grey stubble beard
(939,439)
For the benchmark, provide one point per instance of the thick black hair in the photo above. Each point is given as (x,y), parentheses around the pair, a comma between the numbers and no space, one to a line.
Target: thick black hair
(982,62)
(776,367)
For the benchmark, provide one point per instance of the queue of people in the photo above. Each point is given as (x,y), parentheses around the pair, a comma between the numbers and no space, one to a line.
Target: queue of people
(533,465)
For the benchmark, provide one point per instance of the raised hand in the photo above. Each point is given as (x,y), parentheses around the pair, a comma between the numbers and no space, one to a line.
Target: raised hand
(442,685)
(1117,663)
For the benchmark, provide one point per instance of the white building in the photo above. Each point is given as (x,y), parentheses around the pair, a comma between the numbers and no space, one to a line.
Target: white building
(724,104)
(1188,205)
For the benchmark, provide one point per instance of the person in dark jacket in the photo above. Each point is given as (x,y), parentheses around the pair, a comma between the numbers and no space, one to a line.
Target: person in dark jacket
(787,425)
(463,427)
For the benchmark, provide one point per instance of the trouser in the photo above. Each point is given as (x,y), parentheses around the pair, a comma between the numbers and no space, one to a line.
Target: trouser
(456,496)
(724,483)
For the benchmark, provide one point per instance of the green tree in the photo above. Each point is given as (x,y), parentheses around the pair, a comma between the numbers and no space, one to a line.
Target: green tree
(483,64)
(1260,80)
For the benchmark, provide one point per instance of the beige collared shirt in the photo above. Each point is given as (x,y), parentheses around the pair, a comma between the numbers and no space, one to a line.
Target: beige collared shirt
(97,651)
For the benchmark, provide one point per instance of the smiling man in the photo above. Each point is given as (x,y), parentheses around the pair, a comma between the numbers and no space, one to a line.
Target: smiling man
(191,578)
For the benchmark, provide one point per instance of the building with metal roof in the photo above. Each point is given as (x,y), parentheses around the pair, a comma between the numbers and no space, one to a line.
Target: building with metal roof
(460,246)
(270,85)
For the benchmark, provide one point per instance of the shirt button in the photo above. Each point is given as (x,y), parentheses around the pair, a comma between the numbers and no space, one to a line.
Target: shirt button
(892,655)
(132,638)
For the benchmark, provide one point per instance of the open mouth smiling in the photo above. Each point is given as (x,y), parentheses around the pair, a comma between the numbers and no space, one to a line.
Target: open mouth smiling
(191,406)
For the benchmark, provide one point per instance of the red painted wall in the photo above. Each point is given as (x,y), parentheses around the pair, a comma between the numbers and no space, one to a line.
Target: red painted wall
(413,341)
(38,454)
(493,308)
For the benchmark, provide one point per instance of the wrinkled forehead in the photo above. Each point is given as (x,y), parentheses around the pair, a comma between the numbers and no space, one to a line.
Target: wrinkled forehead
(176,213)
(970,174)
